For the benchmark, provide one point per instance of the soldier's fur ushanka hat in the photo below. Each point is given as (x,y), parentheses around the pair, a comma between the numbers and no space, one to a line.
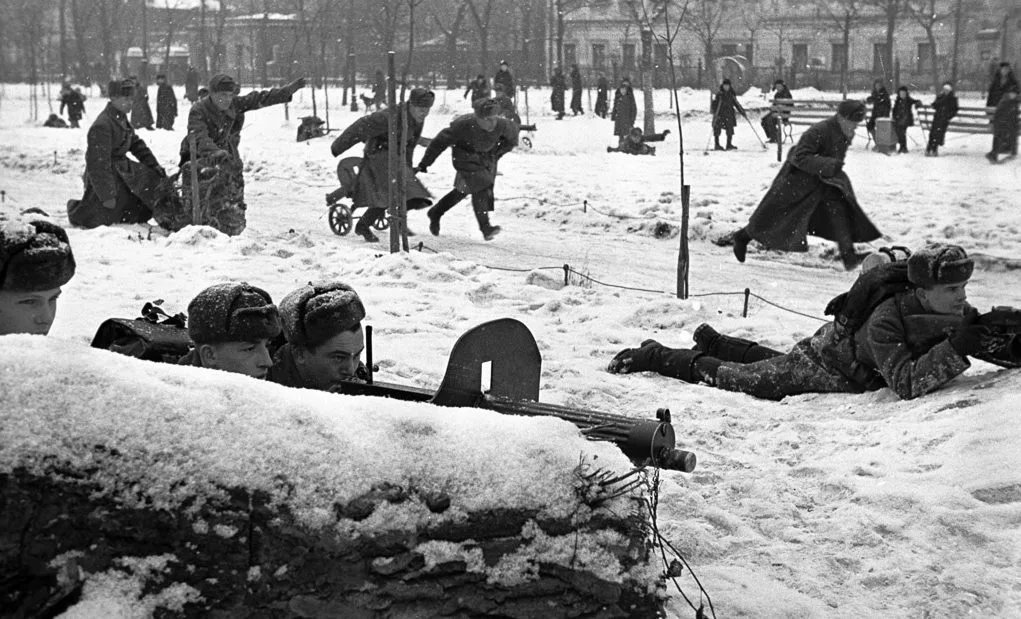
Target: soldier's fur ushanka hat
(120,88)
(851,110)
(316,312)
(34,256)
(421,97)
(939,265)
(232,312)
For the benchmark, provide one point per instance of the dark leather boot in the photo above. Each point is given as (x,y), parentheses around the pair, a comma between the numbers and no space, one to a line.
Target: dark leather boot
(729,348)
(741,240)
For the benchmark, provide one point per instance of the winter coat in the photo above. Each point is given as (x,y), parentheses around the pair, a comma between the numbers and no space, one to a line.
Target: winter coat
(576,89)
(880,100)
(285,370)
(1005,126)
(723,108)
(506,80)
(625,110)
(602,97)
(141,113)
(507,108)
(191,85)
(884,352)
(944,109)
(75,103)
(559,85)
(999,87)
(475,151)
(478,89)
(812,172)
(903,111)
(373,181)
(110,175)
(783,93)
(214,129)
(166,106)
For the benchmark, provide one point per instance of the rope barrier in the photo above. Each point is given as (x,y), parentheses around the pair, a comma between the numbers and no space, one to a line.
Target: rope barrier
(569,270)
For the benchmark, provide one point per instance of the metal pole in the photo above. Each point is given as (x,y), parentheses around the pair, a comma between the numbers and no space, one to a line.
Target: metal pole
(683,263)
(196,206)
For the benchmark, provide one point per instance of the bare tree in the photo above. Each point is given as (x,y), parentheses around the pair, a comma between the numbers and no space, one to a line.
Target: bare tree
(703,18)
(562,9)
(779,21)
(929,13)
(845,14)
(385,20)
(411,37)
(482,23)
(891,10)
(451,33)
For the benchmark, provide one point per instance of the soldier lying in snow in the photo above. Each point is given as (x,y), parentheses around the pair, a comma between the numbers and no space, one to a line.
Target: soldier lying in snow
(875,350)
(635,143)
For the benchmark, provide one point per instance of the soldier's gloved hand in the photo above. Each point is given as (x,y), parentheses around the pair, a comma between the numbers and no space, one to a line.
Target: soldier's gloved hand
(296,85)
(110,204)
(967,338)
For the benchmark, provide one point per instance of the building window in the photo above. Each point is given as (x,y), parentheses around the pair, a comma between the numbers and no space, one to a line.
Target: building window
(799,55)
(570,54)
(839,53)
(879,59)
(924,59)
(628,52)
(728,49)
(598,56)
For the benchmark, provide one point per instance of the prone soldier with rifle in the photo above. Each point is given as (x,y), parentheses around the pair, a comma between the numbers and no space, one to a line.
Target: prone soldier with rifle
(904,324)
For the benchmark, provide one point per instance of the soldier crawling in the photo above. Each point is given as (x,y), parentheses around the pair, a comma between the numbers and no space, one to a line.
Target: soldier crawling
(843,355)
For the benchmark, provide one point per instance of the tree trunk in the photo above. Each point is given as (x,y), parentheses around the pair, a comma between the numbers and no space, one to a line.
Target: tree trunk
(933,57)
(84,74)
(560,33)
(63,39)
(957,41)
(892,8)
(204,64)
(411,40)
(106,34)
(847,53)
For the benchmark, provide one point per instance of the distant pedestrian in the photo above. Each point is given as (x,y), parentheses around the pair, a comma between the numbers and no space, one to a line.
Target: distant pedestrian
(559,85)
(602,96)
(478,88)
(141,113)
(505,78)
(625,110)
(576,88)
(880,100)
(773,121)
(944,108)
(904,117)
(166,104)
(724,108)
(379,90)
(191,85)
(74,101)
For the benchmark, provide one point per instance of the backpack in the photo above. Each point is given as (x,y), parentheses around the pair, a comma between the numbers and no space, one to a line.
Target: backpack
(851,309)
(155,336)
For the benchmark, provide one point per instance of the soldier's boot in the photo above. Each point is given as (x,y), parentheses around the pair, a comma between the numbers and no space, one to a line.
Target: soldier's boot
(488,230)
(716,139)
(730,142)
(741,240)
(729,348)
(642,359)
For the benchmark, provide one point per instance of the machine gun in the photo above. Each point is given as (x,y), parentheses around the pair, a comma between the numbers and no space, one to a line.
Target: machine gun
(1001,347)
(515,363)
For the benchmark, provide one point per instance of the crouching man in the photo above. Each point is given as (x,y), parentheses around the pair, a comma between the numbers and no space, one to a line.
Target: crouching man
(231,326)
(323,326)
(882,352)
(35,261)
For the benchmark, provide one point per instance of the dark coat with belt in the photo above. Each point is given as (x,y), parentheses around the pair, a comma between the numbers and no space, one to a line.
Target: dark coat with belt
(75,103)
(880,100)
(724,108)
(559,85)
(372,185)
(576,88)
(903,111)
(602,96)
(166,106)
(110,175)
(813,170)
(944,109)
(141,113)
(999,87)
(506,79)
(884,352)
(474,150)
(215,129)
(624,113)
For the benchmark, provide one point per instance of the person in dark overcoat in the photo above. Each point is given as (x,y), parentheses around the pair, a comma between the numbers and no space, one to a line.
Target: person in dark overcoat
(944,108)
(625,110)
(191,85)
(74,101)
(602,96)
(478,88)
(1003,98)
(117,189)
(141,113)
(811,194)
(883,352)
(904,117)
(215,124)
(880,100)
(576,88)
(559,86)
(477,142)
(724,108)
(373,182)
(505,78)
(166,104)
(771,122)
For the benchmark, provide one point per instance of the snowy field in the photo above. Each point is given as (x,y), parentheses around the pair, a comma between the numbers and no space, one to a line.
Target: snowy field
(817,506)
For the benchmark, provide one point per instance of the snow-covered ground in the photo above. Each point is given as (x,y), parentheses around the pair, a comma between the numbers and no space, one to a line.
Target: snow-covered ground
(817,506)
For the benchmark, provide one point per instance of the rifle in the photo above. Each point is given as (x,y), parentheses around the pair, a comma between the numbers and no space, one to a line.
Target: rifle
(509,349)
(1002,345)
